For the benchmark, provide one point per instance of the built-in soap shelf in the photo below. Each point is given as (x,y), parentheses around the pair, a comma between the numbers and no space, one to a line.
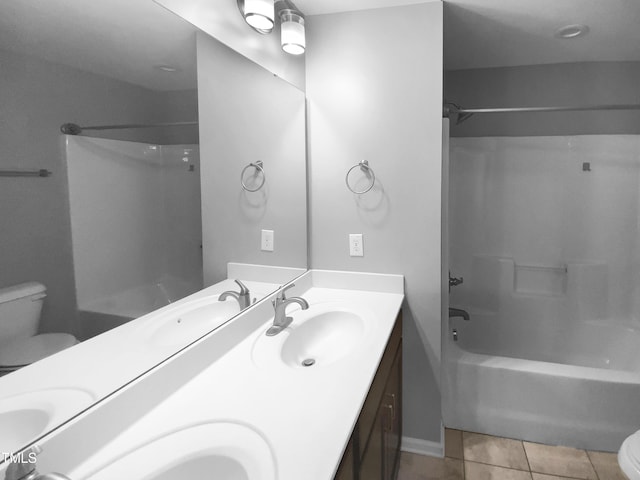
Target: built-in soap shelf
(494,279)
(540,279)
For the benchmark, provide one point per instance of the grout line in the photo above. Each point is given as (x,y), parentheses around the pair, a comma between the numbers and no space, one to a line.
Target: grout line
(592,465)
(464,469)
(499,466)
(493,464)
(526,455)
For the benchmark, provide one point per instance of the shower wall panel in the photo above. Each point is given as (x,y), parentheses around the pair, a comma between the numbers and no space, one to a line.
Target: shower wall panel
(563,210)
(135,221)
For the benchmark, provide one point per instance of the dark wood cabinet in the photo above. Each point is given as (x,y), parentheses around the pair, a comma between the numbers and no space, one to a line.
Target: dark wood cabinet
(392,434)
(373,452)
(346,469)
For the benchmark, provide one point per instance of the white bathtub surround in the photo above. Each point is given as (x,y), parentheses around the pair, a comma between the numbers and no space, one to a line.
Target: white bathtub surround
(544,402)
(305,415)
(546,246)
(137,301)
(539,365)
(529,199)
(135,218)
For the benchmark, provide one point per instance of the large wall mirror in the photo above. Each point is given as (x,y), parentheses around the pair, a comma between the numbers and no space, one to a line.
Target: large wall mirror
(182,152)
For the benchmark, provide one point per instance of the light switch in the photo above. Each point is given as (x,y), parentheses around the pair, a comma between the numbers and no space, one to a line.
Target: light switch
(267,240)
(356,249)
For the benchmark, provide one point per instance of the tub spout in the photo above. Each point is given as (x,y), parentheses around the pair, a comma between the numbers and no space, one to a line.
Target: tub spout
(458,312)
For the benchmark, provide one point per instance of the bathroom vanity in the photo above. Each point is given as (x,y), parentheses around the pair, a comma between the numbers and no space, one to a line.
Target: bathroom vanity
(320,400)
(38,398)
(374,447)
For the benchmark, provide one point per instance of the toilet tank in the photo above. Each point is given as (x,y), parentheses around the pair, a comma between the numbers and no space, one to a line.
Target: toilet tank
(20,308)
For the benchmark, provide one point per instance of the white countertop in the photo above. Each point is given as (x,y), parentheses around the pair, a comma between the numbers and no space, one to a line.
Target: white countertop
(94,368)
(306,415)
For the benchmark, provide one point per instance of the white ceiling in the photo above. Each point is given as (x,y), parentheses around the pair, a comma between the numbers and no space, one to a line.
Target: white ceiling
(494,33)
(123,39)
(491,33)
(320,7)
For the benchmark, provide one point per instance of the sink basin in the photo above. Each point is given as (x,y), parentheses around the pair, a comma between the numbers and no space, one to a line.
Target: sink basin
(27,416)
(190,321)
(316,337)
(224,450)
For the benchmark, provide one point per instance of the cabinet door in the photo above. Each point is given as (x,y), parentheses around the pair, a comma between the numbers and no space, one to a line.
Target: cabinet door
(392,404)
(371,466)
(346,468)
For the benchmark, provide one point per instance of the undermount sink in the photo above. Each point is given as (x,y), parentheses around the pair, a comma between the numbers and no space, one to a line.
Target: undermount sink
(316,337)
(190,321)
(222,450)
(25,417)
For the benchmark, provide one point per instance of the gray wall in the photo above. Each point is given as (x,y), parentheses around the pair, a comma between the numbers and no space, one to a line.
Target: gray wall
(567,84)
(178,106)
(370,97)
(249,114)
(36,98)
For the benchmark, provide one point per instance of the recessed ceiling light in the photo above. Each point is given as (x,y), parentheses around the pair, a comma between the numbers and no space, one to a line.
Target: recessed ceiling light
(572,31)
(166,68)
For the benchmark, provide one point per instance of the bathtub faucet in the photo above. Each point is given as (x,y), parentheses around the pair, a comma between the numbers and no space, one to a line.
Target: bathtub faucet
(243,296)
(458,312)
(454,282)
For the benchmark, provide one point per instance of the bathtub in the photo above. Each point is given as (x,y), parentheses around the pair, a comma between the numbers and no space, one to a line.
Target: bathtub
(112,311)
(567,383)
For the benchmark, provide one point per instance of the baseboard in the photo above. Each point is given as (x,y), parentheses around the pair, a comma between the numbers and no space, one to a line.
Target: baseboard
(422,447)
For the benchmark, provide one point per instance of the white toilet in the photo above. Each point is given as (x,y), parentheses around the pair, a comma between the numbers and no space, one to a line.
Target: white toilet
(629,456)
(20,345)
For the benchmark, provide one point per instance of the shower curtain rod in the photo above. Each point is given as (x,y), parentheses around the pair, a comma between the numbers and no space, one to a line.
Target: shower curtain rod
(73,129)
(465,113)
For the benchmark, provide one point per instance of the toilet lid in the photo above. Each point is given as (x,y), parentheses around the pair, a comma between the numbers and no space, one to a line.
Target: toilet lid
(25,352)
(629,456)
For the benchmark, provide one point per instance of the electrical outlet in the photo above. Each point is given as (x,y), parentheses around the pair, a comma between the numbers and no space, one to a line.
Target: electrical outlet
(267,240)
(356,248)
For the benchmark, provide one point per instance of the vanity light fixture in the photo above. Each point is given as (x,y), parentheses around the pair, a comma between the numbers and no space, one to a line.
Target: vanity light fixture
(260,14)
(292,32)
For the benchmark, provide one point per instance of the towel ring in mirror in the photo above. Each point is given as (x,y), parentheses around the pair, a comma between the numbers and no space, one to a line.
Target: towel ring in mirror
(364,166)
(259,169)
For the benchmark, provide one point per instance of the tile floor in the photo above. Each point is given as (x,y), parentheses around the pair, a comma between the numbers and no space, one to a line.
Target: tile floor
(472,456)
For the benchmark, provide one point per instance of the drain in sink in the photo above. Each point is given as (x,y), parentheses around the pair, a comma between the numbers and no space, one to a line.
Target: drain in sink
(308,362)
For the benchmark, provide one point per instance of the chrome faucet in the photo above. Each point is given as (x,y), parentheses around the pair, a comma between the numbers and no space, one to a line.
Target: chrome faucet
(280,319)
(458,312)
(23,467)
(243,296)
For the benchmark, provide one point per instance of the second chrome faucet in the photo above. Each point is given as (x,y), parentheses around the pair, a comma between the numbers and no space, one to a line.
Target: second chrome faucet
(243,296)
(280,319)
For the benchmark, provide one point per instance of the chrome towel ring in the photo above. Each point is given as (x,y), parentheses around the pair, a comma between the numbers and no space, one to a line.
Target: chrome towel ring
(364,166)
(259,169)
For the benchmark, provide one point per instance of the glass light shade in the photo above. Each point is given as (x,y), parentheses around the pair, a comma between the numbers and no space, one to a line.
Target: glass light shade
(292,32)
(259,14)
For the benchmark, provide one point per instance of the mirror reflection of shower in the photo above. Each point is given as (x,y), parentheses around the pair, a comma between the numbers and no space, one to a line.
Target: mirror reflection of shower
(135,218)
(137,188)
